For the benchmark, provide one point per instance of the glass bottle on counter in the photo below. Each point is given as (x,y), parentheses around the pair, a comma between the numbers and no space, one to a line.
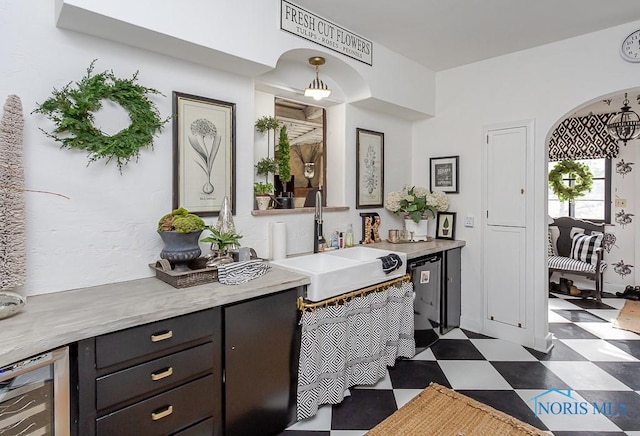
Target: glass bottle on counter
(348,238)
(334,240)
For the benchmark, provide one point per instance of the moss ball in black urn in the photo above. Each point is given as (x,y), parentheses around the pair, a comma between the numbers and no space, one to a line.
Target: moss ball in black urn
(180,232)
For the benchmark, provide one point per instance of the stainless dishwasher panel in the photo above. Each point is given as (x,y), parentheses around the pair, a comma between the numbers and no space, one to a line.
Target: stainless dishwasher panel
(34,396)
(426,275)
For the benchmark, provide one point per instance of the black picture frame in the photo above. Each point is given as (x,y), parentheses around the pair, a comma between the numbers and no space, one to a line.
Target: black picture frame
(444,174)
(446,225)
(369,169)
(204,164)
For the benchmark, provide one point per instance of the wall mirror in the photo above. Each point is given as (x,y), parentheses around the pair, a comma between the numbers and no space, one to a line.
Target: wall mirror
(306,127)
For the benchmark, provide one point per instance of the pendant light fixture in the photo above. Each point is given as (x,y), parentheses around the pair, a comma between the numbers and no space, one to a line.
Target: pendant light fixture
(625,125)
(317,88)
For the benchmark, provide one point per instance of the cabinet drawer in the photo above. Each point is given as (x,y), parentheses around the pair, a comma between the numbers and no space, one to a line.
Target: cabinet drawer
(204,428)
(135,342)
(157,374)
(163,414)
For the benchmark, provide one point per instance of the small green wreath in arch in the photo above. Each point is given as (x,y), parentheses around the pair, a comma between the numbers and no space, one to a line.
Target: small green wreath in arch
(71,109)
(580,173)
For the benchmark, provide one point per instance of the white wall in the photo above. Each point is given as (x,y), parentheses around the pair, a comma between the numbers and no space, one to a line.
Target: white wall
(397,155)
(245,36)
(624,251)
(106,231)
(543,84)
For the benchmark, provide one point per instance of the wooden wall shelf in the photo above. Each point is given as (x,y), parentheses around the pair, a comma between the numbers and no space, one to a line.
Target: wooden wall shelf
(297,210)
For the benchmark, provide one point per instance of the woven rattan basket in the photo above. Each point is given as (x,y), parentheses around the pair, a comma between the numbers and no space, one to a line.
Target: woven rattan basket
(184,279)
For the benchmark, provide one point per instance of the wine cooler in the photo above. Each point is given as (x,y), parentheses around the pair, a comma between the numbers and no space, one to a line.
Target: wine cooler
(34,396)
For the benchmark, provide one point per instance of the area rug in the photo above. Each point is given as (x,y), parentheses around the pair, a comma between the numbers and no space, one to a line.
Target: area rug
(441,411)
(629,317)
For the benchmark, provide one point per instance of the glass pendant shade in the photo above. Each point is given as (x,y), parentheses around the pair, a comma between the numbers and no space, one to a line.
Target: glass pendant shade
(625,125)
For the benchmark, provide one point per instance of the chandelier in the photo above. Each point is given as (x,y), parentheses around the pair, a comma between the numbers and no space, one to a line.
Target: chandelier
(317,88)
(625,125)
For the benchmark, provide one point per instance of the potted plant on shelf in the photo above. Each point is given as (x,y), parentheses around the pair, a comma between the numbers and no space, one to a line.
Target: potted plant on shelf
(263,193)
(180,231)
(285,199)
(267,165)
(223,241)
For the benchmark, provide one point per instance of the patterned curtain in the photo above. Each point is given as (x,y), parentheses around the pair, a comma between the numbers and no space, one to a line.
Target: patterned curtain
(583,138)
(352,344)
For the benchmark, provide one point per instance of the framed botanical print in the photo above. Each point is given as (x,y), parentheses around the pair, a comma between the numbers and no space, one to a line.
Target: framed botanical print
(446,225)
(444,174)
(204,143)
(369,169)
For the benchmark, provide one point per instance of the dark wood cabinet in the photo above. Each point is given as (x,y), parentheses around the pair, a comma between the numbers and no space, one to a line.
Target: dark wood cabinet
(261,355)
(227,370)
(160,378)
(451,292)
(163,414)
(155,375)
(157,337)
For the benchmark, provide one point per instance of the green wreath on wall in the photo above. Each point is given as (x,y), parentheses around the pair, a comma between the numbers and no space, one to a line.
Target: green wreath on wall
(580,173)
(71,109)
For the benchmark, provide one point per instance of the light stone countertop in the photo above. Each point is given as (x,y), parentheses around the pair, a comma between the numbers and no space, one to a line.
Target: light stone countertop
(52,320)
(419,249)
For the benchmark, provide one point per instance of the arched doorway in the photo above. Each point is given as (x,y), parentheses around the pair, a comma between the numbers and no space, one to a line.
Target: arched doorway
(581,135)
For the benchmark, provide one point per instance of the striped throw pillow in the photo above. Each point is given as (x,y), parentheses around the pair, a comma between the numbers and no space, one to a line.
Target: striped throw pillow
(583,247)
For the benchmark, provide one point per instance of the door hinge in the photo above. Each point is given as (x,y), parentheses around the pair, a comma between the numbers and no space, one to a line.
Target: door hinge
(491,318)
(487,213)
(519,325)
(522,190)
(487,139)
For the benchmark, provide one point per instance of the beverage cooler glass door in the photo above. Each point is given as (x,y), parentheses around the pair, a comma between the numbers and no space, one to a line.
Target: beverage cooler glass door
(34,396)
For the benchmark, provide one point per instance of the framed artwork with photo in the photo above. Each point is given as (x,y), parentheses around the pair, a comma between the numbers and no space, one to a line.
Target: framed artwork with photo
(444,174)
(204,149)
(446,225)
(369,169)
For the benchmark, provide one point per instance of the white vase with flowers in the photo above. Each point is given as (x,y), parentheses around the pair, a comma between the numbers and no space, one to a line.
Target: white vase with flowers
(416,204)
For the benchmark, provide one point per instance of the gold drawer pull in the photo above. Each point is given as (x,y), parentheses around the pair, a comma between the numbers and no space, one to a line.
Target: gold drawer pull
(155,376)
(162,336)
(159,415)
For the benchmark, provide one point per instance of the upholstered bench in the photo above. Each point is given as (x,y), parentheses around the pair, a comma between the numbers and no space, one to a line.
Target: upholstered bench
(575,246)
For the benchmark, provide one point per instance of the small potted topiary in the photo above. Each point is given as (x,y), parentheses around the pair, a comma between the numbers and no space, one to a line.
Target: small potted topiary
(284,198)
(180,231)
(267,165)
(263,193)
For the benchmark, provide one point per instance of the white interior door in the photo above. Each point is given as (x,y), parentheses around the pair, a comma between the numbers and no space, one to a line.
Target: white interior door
(505,275)
(507,234)
(506,177)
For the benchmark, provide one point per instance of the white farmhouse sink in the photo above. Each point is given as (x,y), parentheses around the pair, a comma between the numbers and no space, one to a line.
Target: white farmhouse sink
(336,272)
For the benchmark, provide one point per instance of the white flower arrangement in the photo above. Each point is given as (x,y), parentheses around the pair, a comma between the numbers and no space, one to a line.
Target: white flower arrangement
(415,201)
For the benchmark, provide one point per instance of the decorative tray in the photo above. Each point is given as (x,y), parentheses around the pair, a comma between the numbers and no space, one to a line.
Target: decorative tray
(406,241)
(184,279)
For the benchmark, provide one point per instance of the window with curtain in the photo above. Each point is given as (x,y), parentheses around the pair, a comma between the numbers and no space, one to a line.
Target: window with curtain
(593,206)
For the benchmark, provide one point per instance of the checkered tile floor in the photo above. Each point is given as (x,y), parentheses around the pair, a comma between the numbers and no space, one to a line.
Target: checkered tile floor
(597,362)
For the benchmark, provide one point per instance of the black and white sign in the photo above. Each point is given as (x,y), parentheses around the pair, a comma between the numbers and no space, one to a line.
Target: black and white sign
(307,25)
(444,174)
